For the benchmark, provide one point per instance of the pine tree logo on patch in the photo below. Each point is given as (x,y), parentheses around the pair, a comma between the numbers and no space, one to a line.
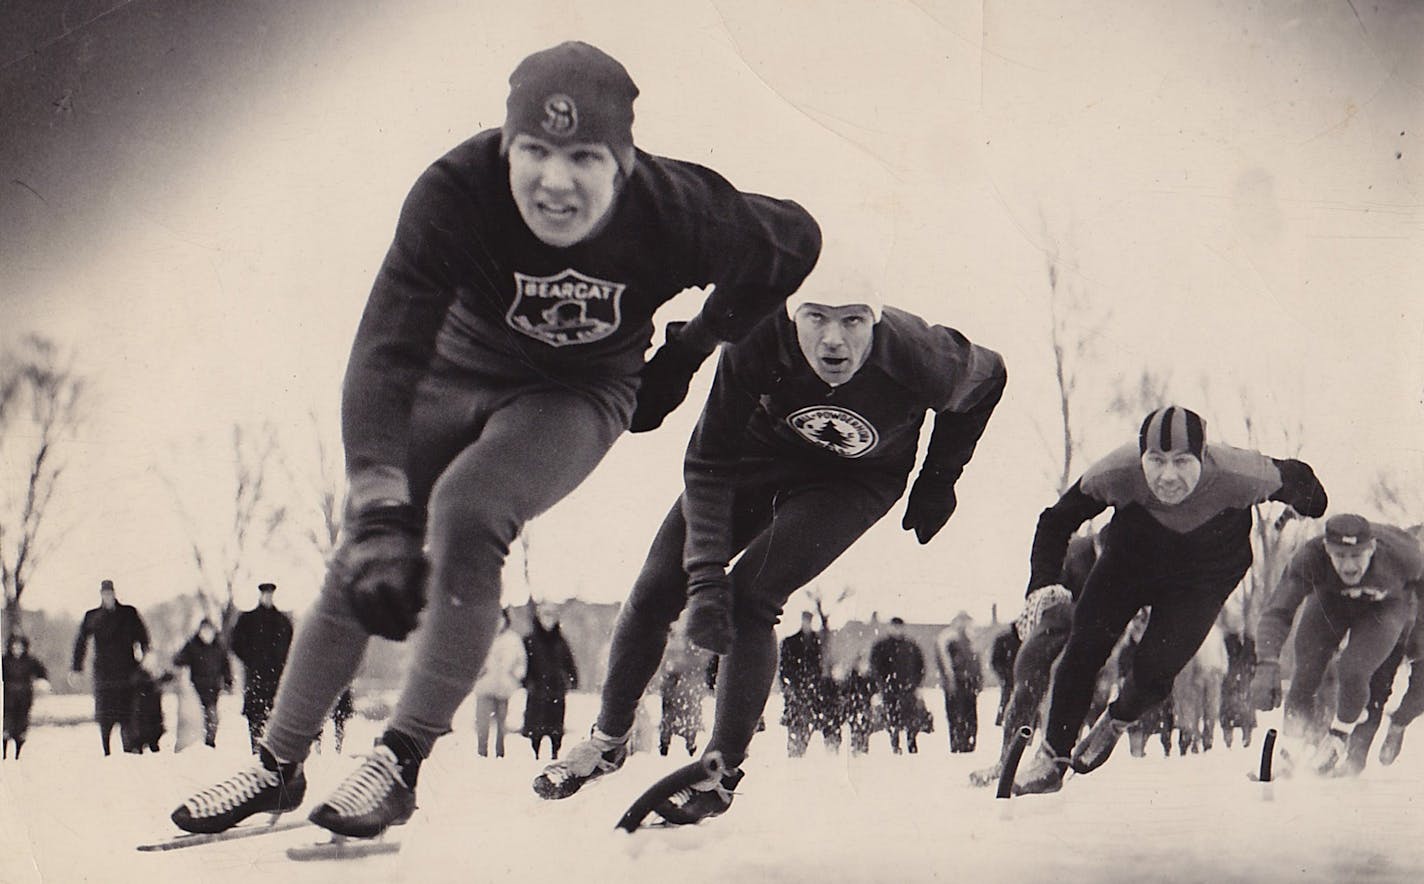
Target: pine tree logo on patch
(839,430)
(567,308)
(560,116)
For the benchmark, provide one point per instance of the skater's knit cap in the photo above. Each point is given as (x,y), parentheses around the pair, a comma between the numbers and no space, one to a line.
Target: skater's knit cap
(1172,429)
(844,276)
(106,586)
(1347,531)
(570,94)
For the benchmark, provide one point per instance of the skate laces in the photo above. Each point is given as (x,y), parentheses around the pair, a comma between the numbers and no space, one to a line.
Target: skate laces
(368,785)
(716,783)
(233,792)
(585,758)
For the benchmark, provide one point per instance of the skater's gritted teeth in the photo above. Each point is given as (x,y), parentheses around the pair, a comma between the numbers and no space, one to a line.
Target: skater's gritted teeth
(1171,442)
(835,340)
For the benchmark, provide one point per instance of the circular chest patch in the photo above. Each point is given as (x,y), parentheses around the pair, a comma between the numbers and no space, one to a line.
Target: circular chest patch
(836,429)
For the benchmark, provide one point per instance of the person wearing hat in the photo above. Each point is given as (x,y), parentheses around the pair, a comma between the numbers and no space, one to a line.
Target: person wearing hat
(1359,582)
(808,437)
(120,642)
(1179,542)
(500,354)
(799,668)
(261,640)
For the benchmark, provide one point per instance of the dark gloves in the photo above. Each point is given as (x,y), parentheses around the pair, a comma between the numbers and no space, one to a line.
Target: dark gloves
(382,569)
(664,380)
(1266,685)
(931,503)
(709,613)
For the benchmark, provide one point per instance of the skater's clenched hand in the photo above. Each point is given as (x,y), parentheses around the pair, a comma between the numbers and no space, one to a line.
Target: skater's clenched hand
(382,569)
(664,381)
(709,613)
(1266,685)
(931,503)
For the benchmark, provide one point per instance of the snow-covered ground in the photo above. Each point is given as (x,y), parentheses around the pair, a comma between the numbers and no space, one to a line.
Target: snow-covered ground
(70,815)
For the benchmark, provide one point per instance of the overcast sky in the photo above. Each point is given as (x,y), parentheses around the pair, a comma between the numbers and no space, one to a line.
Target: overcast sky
(196,197)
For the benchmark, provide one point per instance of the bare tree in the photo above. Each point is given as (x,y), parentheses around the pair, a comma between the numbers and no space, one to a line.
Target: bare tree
(1396,502)
(818,598)
(1074,328)
(220,555)
(1144,394)
(321,492)
(41,406)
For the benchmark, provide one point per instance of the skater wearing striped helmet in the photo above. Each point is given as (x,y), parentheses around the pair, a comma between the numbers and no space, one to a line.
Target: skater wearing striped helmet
(1178,541)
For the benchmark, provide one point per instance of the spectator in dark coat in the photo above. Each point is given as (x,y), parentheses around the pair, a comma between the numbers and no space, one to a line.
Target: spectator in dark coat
(1002,654)
(21,671)
(260,639)
(209,670)
(117,630)
(551,675)
(1236,707)
(962,678)
(898,666)
(832,715)
(800,678)
(145,723)
(857,696)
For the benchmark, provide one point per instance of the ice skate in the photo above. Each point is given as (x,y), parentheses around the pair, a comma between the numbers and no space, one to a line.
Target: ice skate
(374,797)
(1043,774)
(266,787)
(1329,752)
(598,755)
(1093,750)
(1389,749)
(704,800)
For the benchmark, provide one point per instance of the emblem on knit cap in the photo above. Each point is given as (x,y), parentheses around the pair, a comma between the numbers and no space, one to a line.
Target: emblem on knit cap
(838,430)
(560,116)
(566,308)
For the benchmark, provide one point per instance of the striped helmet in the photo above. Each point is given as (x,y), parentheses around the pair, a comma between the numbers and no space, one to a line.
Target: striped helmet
(1172,429)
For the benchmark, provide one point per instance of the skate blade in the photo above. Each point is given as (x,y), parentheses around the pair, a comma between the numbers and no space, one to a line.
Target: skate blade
(195,839)
(341,847)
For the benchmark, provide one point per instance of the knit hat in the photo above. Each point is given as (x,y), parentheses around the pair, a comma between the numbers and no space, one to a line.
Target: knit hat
(266,587)
(106,586)
(1172,429)
(572,93)
(841,278)
(1347,531)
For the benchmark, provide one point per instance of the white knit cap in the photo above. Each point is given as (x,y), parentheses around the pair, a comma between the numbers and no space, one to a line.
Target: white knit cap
(839,280)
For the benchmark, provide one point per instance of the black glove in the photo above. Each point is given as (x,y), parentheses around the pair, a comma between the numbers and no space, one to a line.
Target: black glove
(664,381)
(382,570)
(709,613)
(931,503)
(1266,685)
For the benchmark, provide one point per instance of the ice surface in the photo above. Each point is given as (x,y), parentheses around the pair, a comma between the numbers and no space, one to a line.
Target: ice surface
(71,815)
